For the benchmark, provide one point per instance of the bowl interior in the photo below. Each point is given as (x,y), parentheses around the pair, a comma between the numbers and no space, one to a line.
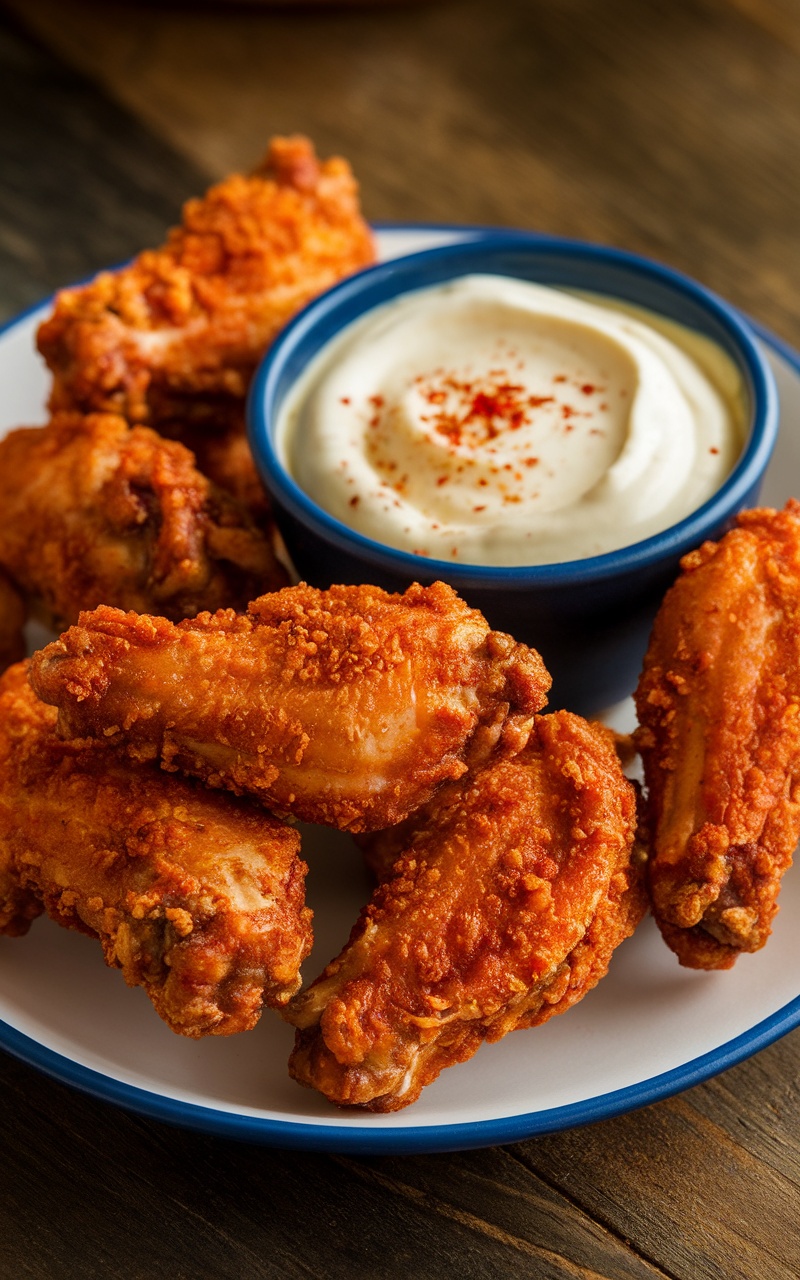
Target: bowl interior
(545,260)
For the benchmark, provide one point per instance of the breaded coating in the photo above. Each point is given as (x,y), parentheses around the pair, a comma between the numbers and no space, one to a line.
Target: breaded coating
(719,708)
(346,707)
(19,905)
(195,896)
(513,889)
(12,620)
(96,512)
(179,331)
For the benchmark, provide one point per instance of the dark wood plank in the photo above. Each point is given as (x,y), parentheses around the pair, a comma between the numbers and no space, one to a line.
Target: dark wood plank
(106,1193)
(668,128)
(707,1183)
(757,1106)
(84,185)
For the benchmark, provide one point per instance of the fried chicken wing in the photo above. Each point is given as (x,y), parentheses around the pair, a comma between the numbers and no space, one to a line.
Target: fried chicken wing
(96,512)
(12,620)
(346,707)
(179,331)
(19,905)
(511,891)
(195,896)
(719,708)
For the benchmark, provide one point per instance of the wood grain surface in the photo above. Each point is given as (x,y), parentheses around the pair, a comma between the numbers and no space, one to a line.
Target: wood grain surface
(668,128)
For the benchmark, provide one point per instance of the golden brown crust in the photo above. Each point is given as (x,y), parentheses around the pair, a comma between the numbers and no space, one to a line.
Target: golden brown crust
(180,330)
(347,706)
(96,512)
(196,897)
(719,709)
(514,886)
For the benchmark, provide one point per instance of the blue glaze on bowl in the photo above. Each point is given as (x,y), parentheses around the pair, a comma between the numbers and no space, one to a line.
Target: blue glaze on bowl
(589,618)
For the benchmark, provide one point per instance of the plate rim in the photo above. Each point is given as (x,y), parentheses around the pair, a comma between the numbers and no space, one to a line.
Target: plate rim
(363,1139)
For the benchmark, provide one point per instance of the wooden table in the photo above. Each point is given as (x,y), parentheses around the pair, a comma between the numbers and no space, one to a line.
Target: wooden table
(673,129)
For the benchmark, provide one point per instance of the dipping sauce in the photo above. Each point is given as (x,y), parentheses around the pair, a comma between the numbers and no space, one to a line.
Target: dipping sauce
(492,421)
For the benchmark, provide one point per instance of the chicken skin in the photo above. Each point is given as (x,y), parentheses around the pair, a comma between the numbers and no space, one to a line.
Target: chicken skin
(96,512)
(195,896)
(719,711)
(346,707)
(511,890)
(177,334)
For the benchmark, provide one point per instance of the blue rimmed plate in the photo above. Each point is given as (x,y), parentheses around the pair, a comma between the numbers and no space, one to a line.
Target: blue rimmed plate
(648,1030)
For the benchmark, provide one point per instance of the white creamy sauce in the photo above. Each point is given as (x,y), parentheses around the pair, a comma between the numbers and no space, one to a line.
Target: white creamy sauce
(492,421)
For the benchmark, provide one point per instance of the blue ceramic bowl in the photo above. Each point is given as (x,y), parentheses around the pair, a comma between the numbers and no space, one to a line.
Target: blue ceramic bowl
(589,618)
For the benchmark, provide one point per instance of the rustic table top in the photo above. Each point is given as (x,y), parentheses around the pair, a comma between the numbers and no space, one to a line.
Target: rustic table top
(672,129)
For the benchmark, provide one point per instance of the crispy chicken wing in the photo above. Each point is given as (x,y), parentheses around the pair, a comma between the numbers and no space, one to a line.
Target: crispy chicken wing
(95,512)
(719,708)
(511,891)
(19,905)
(346,707)
(195,896)
(179,331)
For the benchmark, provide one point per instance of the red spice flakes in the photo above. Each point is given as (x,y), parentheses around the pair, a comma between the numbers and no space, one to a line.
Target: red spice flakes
(473,411)
(354,501)
(713,449)
(344,400)
(588,388)
(443,480)
(531,462)
(377,403)
(560,377)
(483,508)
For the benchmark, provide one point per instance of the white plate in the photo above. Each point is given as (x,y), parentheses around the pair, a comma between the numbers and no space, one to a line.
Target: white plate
(648,1030)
